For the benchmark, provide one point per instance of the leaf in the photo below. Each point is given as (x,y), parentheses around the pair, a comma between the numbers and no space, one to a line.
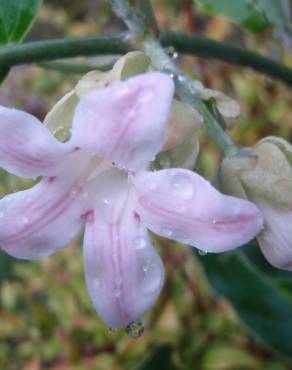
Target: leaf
(279,16)
(3,74)
(159,359)
(241,12)
(16,17)
(260,302)
(6,266)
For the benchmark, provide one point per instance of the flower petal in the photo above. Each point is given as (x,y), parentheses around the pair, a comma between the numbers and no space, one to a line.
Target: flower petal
(276,238)
(124,273)
(37,222)
(181,205)
(126,121)
(27,148)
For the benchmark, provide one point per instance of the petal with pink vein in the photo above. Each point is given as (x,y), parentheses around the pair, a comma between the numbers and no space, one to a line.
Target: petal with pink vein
(27,148)
(181,205)
(37,222)
(124,274)
(126,121)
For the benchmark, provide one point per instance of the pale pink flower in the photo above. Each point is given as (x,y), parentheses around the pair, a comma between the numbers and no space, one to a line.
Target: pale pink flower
(98,179)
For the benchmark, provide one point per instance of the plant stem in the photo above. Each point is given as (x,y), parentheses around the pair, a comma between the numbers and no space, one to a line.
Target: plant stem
(39,51)
(146,11)
(212,49)
(124,11)
(187,90)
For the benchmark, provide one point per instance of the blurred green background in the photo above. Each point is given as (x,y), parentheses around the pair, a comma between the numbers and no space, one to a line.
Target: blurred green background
(46,318)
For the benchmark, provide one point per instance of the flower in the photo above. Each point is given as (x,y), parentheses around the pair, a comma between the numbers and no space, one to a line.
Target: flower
(123,124)
(263,174)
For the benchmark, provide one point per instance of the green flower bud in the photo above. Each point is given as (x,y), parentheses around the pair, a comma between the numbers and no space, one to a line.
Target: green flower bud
(264,175)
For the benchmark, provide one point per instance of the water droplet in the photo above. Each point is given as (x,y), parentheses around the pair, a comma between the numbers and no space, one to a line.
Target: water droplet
(202,252)
(140,242)
(134,329)
(167,232)
(181,185)
(171,52)
(106,201)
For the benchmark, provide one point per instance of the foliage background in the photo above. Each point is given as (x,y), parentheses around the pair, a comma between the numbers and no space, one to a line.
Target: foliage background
(47,320)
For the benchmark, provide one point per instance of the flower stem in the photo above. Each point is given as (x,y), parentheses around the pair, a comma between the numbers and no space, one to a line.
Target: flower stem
(187,90)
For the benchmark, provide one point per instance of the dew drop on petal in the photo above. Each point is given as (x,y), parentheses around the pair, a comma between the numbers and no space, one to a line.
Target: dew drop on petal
(134,329)
(140,242)
(202,253)
(167,232)
(181,185)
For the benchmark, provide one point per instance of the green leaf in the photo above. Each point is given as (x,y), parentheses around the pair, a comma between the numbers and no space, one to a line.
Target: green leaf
(3,74)
(159,359)
(241,12)
(279,16)
(16,17)
(260,301)
(6,266)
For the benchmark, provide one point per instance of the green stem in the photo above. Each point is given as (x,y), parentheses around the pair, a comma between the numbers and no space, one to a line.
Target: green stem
(146,11)
(124,10)
(211,49)
(40,51)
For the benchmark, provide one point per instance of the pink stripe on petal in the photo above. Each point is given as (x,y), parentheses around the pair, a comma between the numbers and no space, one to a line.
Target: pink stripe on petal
(126,121)
(27,148)
(124,274)
(37,222)
(181,205)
